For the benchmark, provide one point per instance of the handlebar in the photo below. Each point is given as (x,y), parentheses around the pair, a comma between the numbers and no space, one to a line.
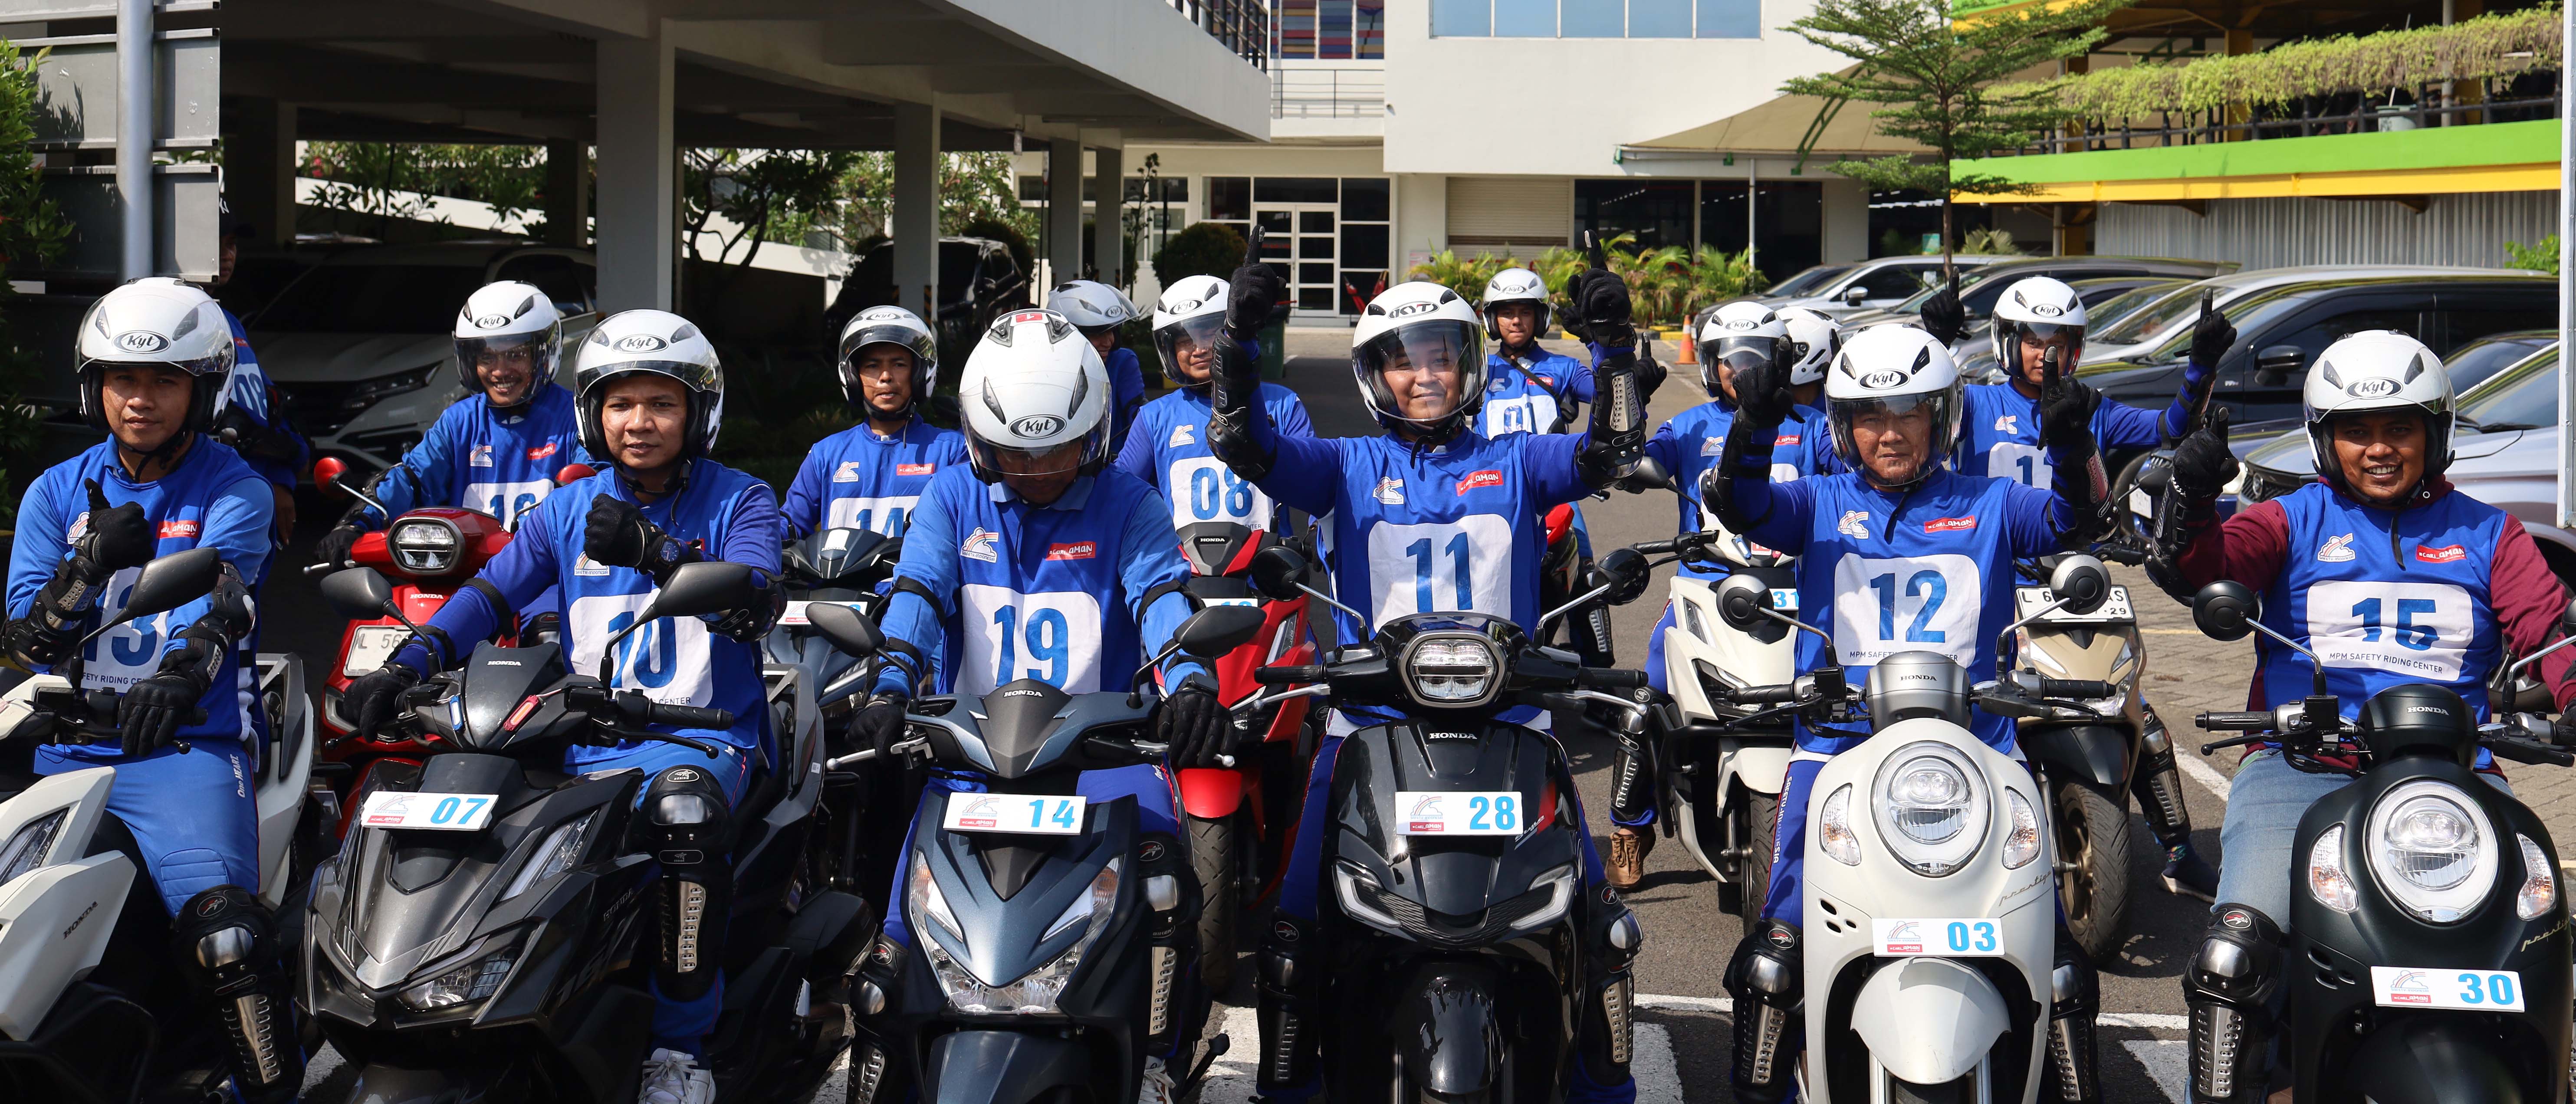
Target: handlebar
(1610,678)
(2235,722)
(2525,751)
(2084,690)
(1779,694)
(687,716)
(1289,675)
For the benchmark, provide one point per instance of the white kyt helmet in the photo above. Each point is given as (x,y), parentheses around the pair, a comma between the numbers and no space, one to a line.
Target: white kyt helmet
(506,315)
(2037,309)
(658,342)
(1894,369)
(1419,322)
(1740,335)
(2375,370)
(1032,385)
(1192,309)
(895,326)
(1515,285)
(167,323)
(1091,305)
(1813,339)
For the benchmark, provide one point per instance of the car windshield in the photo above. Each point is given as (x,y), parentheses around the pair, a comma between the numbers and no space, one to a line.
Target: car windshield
(2248,313)
(2523,397)
(2471,364)
(1808,280)
(373,298)
(2147,319)
(2108,313)
(1977,294)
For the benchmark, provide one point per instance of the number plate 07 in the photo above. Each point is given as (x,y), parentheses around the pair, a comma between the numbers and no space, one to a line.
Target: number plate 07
(1018,814)
(1949,937)
(1459,813)
(445,812)
(2467,990)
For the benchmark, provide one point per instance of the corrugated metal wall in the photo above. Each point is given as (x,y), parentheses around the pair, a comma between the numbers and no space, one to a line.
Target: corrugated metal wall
(2464,229)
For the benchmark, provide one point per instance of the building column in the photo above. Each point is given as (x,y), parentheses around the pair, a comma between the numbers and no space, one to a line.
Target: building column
(1064,209)
(568,193)
(259,171)
(1846,214)
(916,208)
(639,214)
(1108,234)
(1421,223)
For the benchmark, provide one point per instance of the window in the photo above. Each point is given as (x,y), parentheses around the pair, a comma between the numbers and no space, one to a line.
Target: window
(1730,18)
(2527,398)
(1570,19)
(1788,215)
(2313,338)
(1525,18)
(1173,189)
(1364,199)
(1592,19)
(1897,281)
(1330,29)
(1658,212)
(1295,189)
(1033,189)
(1229,198)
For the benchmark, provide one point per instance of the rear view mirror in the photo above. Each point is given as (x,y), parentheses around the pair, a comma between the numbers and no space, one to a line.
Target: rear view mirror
(570,474)
(849,630)
(1276,571)
(708,586)
(1216,630)
(2275,365)
(2081,583)
(1624,569)
(1741,600)
(2225,610)
(1855,294)
(357,593)
(173,581)
(326,475)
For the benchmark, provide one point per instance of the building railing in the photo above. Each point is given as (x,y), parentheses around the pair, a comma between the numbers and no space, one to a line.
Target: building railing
(1243,25)
(2503,100)
(1298,92)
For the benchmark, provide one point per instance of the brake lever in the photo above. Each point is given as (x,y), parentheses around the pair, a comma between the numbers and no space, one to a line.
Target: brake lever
(2238,741)
(623,735)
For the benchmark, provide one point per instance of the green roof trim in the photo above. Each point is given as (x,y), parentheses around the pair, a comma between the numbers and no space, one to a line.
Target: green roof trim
(2424,148)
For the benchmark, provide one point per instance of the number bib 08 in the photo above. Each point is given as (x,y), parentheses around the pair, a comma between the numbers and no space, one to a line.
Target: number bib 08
(2419,629)
(1204,489)
(1436,567)
(1906,604)
(876,515)
(1947,937)
(507,501)
(1053,637)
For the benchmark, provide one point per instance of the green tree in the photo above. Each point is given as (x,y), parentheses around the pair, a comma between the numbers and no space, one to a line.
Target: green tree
(1936,80)
(2534,258)
(1200,249)
(768,196)
(369,178)
(32,232)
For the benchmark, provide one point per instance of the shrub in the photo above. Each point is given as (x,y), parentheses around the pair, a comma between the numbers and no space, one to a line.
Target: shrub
(1200,249)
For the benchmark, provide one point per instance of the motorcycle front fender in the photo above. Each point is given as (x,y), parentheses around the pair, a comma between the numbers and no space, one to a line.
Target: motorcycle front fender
(1446,1022)
(1760,767)
(1211,793)
(2434,1059)
(1929,1020)
(2099,755)
(1005,1067)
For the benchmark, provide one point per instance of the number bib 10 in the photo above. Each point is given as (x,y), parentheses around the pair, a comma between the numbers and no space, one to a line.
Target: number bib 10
(2466,990)
(1906,604)
(2417,629)
(1959,937)
(1018,814)
(1458,813)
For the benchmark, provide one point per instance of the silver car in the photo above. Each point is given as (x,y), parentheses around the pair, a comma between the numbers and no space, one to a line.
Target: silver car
(362,344)
(1874,284)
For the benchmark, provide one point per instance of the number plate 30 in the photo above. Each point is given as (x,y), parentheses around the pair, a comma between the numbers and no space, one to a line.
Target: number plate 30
(1459,813)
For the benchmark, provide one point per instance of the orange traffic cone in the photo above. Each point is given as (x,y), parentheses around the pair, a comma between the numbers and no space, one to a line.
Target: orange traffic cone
(1689,349)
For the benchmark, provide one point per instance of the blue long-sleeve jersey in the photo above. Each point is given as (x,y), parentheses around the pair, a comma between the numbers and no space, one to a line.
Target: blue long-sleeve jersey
(1693,440)
(1528,394)
(1999,429)
(481,459)
(1126,393)
(862,479)
(250,394)
(1167,449)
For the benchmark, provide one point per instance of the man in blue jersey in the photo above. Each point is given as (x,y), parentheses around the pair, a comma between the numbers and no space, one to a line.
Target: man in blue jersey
(2392,577)
(155,374)
(1432,516)
(1167,447)
(1098,310)
(1040,562)
(869,475)
(1897,554)
(650,399)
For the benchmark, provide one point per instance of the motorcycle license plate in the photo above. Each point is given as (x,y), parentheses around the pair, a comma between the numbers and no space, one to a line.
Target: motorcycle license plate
(1459,813)
(795,613)
(1018,814)
(2113,610)
(370,647)
(2466,990)
(445,812)
(1952,937)
(2141,503)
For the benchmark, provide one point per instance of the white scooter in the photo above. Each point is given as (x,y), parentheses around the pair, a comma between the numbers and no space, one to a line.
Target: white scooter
(1721,776)
(1929,923)
(63,882)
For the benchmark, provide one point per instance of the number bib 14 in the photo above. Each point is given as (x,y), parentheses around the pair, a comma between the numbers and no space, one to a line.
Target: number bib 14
(1019,814)
(2467,990)
(445,812)
(1458,813)
(1958,937)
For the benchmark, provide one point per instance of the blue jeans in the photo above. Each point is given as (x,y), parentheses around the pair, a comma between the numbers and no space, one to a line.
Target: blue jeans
(677,1024)
(2257,843)
(193,815)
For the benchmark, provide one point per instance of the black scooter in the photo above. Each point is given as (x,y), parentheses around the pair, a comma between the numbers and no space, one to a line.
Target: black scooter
(2428,945)
(482,942)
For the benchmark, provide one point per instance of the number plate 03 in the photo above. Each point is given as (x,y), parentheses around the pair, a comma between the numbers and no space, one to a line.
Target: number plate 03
(444,812)
(2426,987)
(1942,937)
(1018,814)
(1459,813)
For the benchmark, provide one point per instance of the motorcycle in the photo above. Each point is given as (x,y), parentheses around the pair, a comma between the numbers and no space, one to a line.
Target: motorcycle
(1051,934)
(82,973)
(1457,955)
(862,811)
(478,937)
(1929,937)
(1239,817)
(2427,960)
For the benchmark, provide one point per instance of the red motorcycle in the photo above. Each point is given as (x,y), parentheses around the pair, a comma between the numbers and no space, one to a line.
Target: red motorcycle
(1240,818)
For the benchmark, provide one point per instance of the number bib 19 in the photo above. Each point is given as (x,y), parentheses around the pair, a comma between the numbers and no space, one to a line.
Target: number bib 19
(1956,937)
(1906,604)
(507,501)
(1029,814)
(2419,629)
(1204,489)
(2466,990)
(1053,637)
(876,515)
(1462,566)
(1458,813)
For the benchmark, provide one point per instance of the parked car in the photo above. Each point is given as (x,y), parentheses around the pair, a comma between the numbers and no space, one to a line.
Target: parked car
(1979,291)
(361,345)
(1883,282)
(2159,323)
(2470,365)
(978,278)
(1807,279)
(2105,299)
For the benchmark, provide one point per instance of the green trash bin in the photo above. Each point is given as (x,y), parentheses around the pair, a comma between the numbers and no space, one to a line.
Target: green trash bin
(1274,345)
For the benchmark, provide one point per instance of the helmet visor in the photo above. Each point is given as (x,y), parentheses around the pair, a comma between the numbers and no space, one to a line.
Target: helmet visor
(528,351)
(1740,353)
(1422,372)
(856,342)
(1188,346)
(2069,340)
(1895,440)
(1055,459)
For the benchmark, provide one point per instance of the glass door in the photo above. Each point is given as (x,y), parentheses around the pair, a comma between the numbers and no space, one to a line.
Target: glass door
(1300,240)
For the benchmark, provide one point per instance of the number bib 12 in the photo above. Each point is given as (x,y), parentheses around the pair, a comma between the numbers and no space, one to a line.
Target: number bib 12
(444,812)
(2466,990)
(1458,813)
(1906,604)
(1018,814)
(2417,629)
(1955,937)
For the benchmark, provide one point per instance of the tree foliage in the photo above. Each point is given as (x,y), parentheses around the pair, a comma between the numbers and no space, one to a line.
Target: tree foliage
(1200,249)
(766,195)
(32,232)
(386,179)
(1938,84)
(1666,285)
(2533,258)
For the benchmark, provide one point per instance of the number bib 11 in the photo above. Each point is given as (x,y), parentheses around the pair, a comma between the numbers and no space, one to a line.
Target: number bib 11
(1019,814)
(1959,937)
(2466,990)
(1458,813)
(1464,566)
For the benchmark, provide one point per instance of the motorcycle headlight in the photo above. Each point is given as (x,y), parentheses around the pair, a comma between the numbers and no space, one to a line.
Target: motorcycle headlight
(2021,844)
(559,851)
(1032,993)
(473,980)
(1358,892)
(28,846)
(1560,886)
(1930,809)
(2431,847)
(1834,832)
(1453,670)
(2539,882)
(2327,880)
(425,546)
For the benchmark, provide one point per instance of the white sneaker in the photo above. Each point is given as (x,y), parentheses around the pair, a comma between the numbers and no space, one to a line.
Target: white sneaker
(673,1077)
(1156,1087)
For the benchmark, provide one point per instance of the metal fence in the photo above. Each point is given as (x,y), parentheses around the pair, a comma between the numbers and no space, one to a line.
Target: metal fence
(1243,25)
(2504,100)
(1318,93)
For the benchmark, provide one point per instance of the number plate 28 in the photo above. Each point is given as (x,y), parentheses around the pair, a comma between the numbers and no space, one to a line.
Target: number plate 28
(1940,937)
(1018,814)
(2466,990)
(1459,813)
(445,812)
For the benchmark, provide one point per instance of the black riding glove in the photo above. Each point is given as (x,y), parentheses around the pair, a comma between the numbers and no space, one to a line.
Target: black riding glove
(878,724)
(1943,317)
(2562,732)
(1195,725)
(2211,336)
(376,696)
(1601,301)
(2066,406)
(335,546)
(1763,396)
(2203,464)
(1250,294)
(118,537)
(155,708)
(618,535)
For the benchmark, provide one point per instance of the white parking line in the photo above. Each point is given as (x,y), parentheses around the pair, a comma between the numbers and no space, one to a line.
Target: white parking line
(2200,771)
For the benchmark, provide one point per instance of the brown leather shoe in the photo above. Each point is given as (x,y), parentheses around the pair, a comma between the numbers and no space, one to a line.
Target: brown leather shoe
(1626,863)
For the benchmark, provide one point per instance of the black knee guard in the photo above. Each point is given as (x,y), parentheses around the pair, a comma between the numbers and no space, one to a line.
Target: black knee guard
(1292,987)
(2229,988)
(1766,978)
(226,944)
(2074,999)
(1607,1036)
(689,827)
(2158,785)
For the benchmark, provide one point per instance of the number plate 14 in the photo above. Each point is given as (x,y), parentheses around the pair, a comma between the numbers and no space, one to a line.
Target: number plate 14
(1019,814)
(1949,937)
(1459,813)
(2466,990)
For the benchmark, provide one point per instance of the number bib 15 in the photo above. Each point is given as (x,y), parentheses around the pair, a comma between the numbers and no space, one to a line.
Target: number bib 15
(2417,629)
(128,653)
(507,501)
(668,660)
(1204,489)
(1906,604)
(1960,937)
(1462,566)
(1458,813)
(1053,636)
(2466,990)
(876,515)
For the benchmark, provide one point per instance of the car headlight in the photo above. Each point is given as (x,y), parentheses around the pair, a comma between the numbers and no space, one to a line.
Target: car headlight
(2539,882)
(1930,810)
(2021,844)
(559,852)
(2431,848)
(474,980)
(1453,670)
(1834,830)
(1032,993)
(2327,880)
(28,846)
(425,546)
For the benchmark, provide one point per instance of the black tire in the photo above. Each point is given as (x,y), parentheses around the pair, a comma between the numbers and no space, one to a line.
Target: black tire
(2093,838)
(1414,1092)
(1762,823)
(1216,860)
